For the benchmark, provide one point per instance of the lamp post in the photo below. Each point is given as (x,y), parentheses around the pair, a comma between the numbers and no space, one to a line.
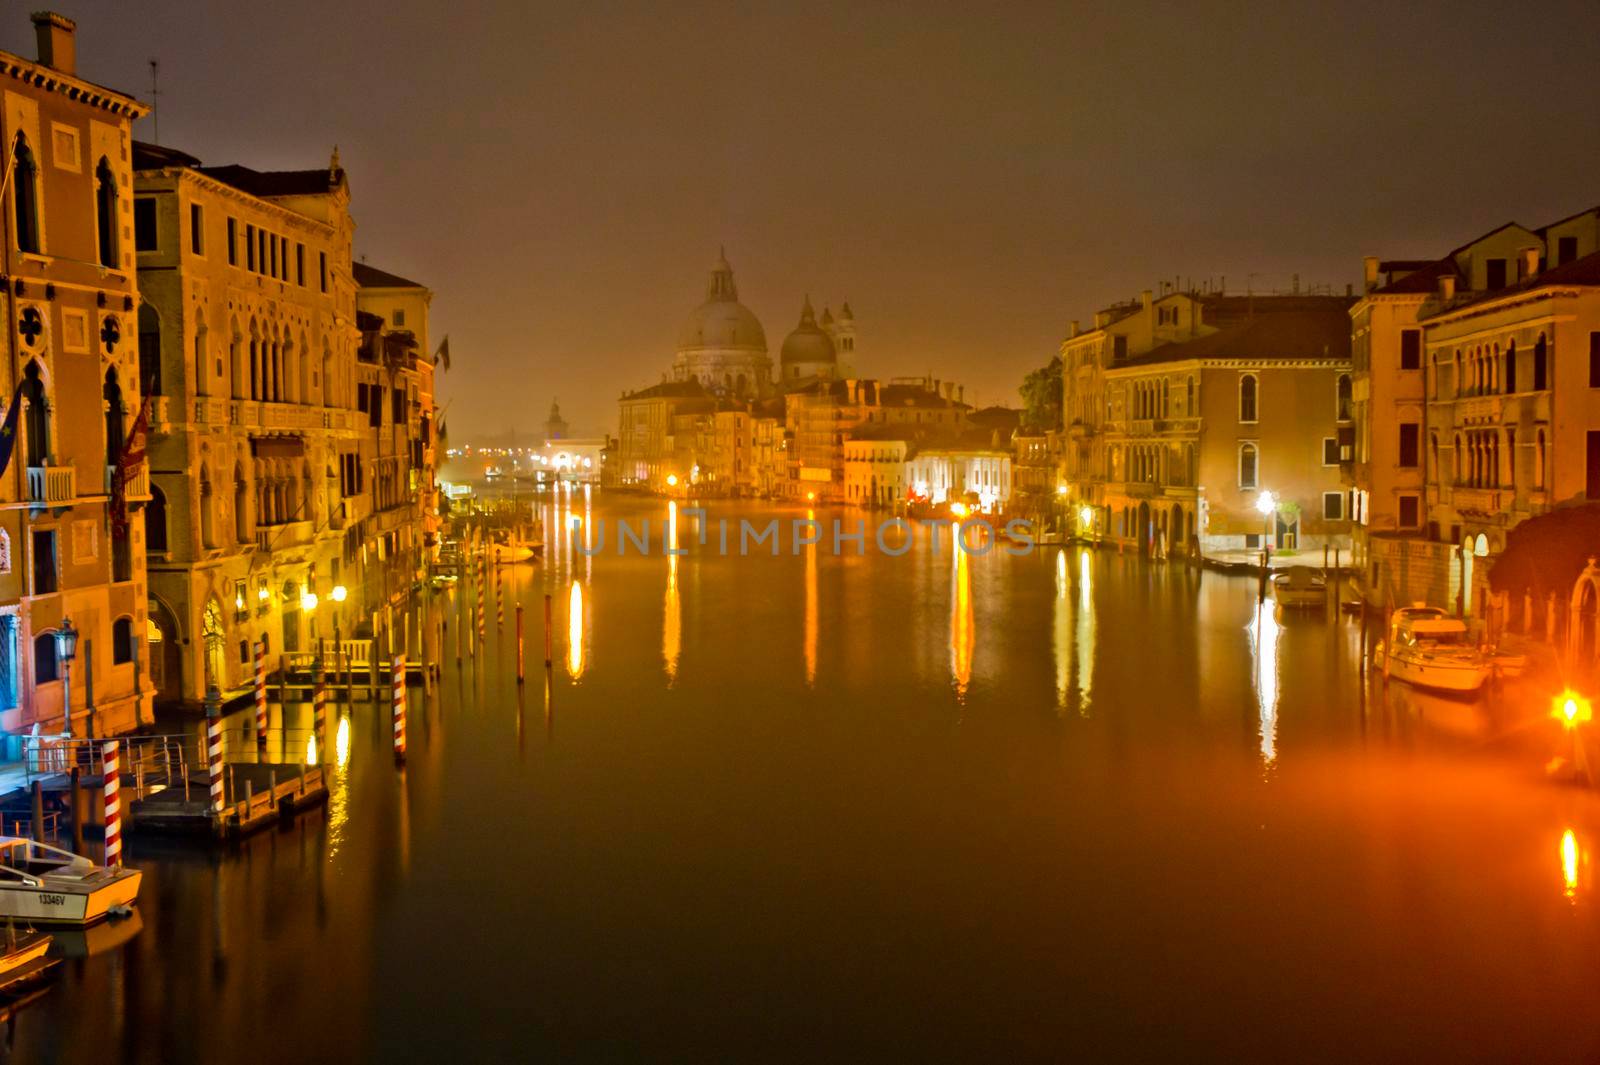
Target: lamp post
(1268,506)
(66,650)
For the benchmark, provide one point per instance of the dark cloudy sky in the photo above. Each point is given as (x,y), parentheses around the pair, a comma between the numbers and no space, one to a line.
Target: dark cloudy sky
(971,177)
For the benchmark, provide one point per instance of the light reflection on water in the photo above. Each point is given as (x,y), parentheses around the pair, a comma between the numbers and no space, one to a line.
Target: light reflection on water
(1265,632)
(913,842)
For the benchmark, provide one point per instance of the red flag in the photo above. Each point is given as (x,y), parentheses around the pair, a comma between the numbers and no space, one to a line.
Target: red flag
(133,451)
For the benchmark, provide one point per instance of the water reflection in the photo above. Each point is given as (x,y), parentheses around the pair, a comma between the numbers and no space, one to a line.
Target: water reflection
(1062,628)
(1571,857)
(575,647)
(672,612)
(962,634)
(811,608)
(1265,632)
(1085,641)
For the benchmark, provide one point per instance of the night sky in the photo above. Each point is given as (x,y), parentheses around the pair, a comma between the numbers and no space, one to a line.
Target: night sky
(970,177)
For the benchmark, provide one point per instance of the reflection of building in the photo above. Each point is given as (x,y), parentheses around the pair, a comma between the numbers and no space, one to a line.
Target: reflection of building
(79,356)
(826,413)
(1475,378)
(255,449)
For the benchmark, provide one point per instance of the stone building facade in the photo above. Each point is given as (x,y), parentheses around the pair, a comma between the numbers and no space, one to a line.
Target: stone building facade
(70,304)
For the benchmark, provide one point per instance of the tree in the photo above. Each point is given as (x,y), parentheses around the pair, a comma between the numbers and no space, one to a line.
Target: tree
(1041,397)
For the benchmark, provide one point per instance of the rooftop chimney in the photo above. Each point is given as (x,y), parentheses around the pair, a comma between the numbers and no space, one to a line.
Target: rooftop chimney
(1074,327)
(1530,262)
(1144,298)
(1369,269)
(1447,287)
(57,49)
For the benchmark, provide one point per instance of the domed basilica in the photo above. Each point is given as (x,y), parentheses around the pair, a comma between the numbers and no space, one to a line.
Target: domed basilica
(723,347)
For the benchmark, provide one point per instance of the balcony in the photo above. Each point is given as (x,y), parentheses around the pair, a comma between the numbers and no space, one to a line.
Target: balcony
(211,411)
(52,486)
(1482,501)
(283,537)
(138,486)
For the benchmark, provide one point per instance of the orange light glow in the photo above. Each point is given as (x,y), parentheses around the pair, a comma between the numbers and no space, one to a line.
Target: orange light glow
(960,510)
(1571,709)
(575,632)
(1570,856)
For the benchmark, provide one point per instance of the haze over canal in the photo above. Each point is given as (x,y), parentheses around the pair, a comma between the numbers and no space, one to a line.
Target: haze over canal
(1063,805)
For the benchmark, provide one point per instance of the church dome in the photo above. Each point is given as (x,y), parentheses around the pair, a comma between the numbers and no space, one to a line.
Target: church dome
(722,321)
(809,343)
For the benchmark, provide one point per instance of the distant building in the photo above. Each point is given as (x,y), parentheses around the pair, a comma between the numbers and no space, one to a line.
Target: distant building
(1186,415)
(555,426)
(80,359)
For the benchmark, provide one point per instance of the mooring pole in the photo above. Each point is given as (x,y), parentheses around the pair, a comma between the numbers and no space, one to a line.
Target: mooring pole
(520,674)
(548,657)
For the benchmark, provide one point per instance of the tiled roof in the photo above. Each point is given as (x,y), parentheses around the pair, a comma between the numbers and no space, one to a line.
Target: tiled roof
(270,183)
(1321,333)
(371,277)
(1584,271)
(690,389)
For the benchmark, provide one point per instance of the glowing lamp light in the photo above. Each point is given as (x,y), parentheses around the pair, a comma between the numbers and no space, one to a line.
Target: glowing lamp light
(960,510)
(1061,489)
(811,497)
(672,480)
(308,601)
(1265,503)
(1086,516)
(262,593)
(238,602)
(339,593)
(1571,709)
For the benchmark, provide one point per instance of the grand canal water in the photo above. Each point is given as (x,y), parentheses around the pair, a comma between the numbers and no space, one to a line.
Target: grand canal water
(908,808)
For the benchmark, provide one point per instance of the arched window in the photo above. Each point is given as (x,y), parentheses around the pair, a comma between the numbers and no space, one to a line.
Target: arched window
(36,415)
(1247,465)
(1342,398)
(255,362)
(1540,371)
(45,666)
(150,350)
(202,371)
(1456,460)
(114,431)
(1456,384)
(1247,397)
(208,536)
(25,195)
(1511,367)
(155,520)
(1511,458)
(1433,376)
(105,202)
(329,396)
(121,641)
(1433,452)
(241,506)
(1188,398)
(1538,460)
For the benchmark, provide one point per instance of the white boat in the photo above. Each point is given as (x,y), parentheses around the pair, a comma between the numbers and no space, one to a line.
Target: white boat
(1429,648)
(42,883)
(1299,586)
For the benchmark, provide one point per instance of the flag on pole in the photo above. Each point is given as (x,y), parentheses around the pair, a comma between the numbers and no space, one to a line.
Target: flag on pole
(441,357)
(8,431)
(133,452)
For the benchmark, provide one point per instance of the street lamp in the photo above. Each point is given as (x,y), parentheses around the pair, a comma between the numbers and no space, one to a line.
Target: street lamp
(66,650)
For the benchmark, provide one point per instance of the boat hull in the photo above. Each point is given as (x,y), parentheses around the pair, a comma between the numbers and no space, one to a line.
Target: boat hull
(1437,676)
(76,904)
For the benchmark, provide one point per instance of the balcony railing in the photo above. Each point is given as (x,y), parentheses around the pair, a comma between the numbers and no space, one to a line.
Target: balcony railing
(281,537)
(52,485)
(1484,501)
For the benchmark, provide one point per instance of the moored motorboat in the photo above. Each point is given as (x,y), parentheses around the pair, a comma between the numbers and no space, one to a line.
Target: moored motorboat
(1299,586)
(42,883)
(1429,648)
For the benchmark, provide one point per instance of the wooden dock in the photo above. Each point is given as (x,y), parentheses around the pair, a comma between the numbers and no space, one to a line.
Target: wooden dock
(258,795)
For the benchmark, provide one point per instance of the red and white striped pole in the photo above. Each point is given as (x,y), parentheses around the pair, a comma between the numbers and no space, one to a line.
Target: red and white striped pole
(499,600)
(214,761)
(483,578)
(399,708)
(261,693)
(319,708)
(113,804)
